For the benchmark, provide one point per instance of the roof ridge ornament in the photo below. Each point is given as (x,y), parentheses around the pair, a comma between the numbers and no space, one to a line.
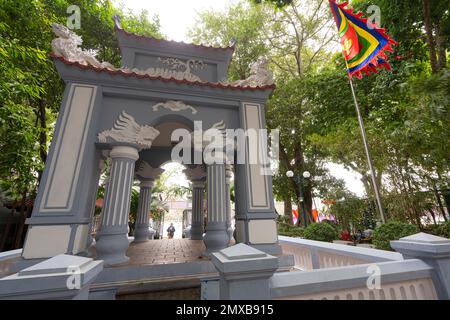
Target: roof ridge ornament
(127,130)
(260,75)
(67,46)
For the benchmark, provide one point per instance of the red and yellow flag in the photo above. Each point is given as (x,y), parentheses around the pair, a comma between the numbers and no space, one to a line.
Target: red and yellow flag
(363,46)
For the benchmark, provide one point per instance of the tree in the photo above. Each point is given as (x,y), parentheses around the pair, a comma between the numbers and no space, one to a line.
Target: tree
(31,88)
(241,24)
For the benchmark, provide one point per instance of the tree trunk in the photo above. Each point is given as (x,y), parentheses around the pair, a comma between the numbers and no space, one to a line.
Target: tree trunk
(23,214)
(430,38)
(308,203)
(288,208)
(439,201)
(417,214)
(432,215)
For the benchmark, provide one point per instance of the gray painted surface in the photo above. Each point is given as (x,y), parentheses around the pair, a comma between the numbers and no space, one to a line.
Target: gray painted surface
(361,253)
(244,272)
(6,255)
(114,93)
(55,278)
(299,283)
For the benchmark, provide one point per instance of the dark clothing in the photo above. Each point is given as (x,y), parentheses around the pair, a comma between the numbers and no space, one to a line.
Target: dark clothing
(171,231)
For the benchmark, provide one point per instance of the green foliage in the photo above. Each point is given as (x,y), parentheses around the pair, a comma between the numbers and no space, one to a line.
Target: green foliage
(391,231)
(321,232)
(277,3)
(287,229)
(242,24)
(30,88)
(442,230)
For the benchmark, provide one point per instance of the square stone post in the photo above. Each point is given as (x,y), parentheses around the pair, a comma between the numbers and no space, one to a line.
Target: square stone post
(60,277)
(244,272)
(434,251)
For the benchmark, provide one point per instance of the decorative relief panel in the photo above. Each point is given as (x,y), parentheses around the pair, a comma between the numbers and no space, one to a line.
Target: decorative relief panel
(126,129)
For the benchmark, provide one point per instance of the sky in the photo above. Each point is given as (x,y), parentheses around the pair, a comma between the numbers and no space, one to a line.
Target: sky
(176,18)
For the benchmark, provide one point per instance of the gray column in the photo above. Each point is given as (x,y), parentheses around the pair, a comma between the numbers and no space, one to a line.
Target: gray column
(197,210)
(216,237)
(228,172)
(141,231)
(113,240)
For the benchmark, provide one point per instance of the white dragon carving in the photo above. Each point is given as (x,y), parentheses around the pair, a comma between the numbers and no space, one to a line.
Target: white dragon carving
(260,75)
(67,46)
(126,129)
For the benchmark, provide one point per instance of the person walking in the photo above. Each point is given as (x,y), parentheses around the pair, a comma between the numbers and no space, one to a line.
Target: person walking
(170,231)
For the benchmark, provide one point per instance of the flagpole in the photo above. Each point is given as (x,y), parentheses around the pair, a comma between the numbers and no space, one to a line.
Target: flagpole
(369,159)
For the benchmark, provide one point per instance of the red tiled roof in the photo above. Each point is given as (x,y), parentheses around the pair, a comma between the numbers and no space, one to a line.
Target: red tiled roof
(146,76)
(180,43)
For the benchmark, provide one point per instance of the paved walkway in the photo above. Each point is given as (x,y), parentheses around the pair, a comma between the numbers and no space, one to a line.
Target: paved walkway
(165,251)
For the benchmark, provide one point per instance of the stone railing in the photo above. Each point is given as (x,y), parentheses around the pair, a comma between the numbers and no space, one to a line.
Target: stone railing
(420,269)
(309,254)
(399,280)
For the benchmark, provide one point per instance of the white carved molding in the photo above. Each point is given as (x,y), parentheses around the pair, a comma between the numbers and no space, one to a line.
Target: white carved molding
(144,171)
(196,173)
(260,75)
(174,106)
(126,130)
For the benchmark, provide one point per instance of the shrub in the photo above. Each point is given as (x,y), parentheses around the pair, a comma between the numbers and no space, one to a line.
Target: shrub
(289,230)
(320,232)
(391,231)
(443,229)
(293,232)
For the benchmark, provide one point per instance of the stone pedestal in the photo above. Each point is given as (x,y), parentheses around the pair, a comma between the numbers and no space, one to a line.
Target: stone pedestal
(113,236)
(434,251)
(60,277)
(216,236)
(244,272)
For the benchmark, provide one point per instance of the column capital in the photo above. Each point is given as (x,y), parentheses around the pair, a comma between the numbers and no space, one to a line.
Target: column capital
(197,173)
(145,172)
(147,183)
(124,152)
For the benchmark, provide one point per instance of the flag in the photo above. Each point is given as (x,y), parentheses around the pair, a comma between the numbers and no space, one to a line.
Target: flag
(363,46)
(294,216)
